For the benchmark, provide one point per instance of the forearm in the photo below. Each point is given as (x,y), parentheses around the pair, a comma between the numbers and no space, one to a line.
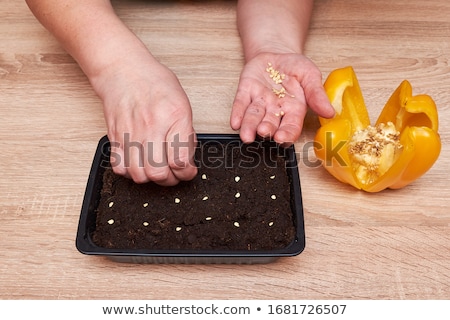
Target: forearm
(275,26)
(89,30)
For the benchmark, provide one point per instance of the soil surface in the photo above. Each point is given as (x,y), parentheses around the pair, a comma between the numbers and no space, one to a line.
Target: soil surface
(240,200)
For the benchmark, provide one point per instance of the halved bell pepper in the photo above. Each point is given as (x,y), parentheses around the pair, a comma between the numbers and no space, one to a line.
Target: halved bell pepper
(409,123)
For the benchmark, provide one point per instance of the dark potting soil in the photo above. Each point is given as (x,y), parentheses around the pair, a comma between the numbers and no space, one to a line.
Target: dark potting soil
(239,200)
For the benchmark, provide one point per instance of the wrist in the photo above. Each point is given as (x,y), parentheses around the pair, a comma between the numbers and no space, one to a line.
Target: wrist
(251,51)
(273,26)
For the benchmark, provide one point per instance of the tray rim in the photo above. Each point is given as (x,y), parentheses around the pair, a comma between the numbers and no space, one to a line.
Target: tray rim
(85,245)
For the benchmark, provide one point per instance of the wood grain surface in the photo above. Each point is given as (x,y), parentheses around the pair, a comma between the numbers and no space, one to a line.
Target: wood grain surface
(388,245)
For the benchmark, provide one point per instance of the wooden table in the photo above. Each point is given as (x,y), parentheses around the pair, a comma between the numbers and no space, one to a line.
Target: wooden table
(389,245)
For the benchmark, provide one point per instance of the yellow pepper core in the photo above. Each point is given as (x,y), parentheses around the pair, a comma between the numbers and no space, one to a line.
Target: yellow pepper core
(373,151)
(401,146)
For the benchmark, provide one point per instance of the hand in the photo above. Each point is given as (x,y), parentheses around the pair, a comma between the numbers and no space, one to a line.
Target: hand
(258,110)
(149,122)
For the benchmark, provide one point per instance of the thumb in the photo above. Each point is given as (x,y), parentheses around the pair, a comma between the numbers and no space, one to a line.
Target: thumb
(318,101)
(181,151)
(315,95)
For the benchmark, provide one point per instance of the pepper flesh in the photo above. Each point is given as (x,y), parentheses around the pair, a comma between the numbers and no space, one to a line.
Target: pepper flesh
(414,120)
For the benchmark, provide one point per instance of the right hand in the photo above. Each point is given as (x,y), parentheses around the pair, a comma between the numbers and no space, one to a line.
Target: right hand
(149,121)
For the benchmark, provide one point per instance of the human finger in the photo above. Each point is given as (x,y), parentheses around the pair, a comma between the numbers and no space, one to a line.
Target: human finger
(156,167)
(270,123)
(315,94)
(253,116)
(181,152)
(240,103)
(291,123)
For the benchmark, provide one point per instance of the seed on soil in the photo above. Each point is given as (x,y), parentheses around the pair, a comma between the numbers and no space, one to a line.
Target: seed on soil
(270,223)
(178,229)
(272,177)
(110,204)
(237,178)
(145,205)
(145,223)
(205,198)
(177,200)
(203,176)
(110,221)
(208,218)
(236,224)
(237,195)
(273,197)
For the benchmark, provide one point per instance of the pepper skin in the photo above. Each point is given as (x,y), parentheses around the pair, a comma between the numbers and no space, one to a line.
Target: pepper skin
(415,119)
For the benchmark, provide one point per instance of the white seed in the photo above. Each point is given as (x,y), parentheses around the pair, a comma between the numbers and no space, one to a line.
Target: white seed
(204,176)
(237,195)
(205,198)
(178,229)
(208,218)
(110,221)
(110,204)
(145,224)
(236,224)
(145,205)
(281,113)
(237,178)
(177,200)
(273,197)
(270,223)
(272,177)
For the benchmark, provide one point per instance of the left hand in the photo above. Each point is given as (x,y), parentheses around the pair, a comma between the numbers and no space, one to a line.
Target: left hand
(258,110)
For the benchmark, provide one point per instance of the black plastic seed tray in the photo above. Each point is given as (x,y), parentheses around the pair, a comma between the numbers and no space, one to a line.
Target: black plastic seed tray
(88,218)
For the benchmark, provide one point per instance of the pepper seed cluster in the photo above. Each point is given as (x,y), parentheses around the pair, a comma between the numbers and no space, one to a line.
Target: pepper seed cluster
(277,78)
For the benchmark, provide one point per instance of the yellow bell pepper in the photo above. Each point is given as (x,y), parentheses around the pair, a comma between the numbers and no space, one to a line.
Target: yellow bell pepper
(401,147)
